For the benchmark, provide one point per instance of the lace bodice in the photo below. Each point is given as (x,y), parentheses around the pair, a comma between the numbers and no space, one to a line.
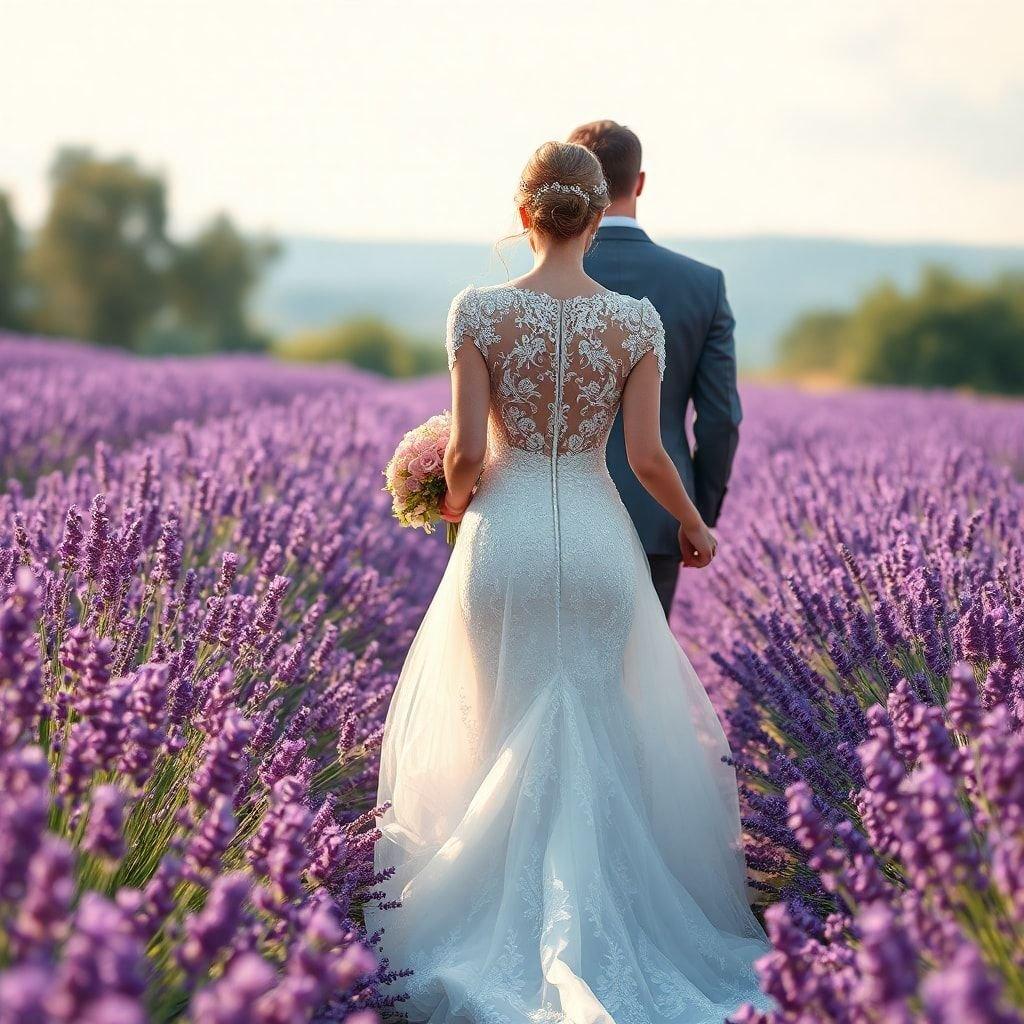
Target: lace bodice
(557,366)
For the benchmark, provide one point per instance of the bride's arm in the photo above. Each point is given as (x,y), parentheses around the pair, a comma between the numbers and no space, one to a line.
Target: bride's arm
(464,456)
(641,421)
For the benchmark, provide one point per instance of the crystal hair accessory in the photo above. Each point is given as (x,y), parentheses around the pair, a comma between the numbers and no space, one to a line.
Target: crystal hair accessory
(557,186)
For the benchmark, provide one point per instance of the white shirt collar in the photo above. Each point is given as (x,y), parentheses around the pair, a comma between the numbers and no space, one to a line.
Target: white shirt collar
(618,221)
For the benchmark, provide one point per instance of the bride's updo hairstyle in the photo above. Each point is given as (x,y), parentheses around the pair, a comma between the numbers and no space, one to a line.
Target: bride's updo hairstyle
(563,190)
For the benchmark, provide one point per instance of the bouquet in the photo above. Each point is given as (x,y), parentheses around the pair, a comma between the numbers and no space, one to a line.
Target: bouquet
(415,476)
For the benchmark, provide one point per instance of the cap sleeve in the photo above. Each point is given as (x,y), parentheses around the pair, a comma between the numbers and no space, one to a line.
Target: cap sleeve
(651,336)
(463,322)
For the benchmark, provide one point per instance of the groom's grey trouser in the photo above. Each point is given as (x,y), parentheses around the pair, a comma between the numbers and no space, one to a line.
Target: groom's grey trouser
(665,576)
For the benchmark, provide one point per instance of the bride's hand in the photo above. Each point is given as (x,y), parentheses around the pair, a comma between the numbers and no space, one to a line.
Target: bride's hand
(451,514)
(698,546)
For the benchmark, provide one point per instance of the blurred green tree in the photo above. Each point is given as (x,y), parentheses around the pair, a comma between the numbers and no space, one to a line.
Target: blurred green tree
(209,282)
(950,332)
(427,357)
(814,342)
(11,281)
(99,261)
(367,342)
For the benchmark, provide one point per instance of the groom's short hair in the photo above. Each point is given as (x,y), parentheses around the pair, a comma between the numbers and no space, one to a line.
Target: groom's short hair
(617,148)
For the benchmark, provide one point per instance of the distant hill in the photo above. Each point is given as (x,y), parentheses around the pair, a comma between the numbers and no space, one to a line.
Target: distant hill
(770,279)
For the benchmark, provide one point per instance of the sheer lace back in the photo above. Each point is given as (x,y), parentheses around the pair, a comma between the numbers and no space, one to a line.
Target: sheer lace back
(557,366)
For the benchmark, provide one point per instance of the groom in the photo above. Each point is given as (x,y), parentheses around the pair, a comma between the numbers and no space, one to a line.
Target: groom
(700,361)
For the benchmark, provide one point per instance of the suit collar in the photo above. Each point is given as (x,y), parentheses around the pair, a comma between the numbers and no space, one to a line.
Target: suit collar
(624,234)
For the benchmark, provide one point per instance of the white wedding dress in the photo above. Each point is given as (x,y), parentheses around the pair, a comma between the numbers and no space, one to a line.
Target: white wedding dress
(564,834)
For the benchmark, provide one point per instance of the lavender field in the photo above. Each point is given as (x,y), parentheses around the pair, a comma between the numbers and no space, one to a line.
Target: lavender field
(204,604)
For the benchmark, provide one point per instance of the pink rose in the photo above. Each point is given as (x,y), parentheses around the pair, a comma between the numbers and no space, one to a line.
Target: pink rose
(430,462)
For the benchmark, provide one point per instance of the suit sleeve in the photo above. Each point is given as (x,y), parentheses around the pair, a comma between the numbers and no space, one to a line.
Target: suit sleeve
(716,402)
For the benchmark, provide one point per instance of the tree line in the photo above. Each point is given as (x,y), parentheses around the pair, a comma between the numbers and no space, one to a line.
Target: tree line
(947,332)
(104,268)
(367,342)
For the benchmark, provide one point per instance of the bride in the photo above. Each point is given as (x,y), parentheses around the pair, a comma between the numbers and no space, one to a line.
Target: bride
(564,835)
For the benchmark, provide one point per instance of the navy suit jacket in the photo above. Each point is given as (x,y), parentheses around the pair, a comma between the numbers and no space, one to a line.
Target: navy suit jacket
(700,367)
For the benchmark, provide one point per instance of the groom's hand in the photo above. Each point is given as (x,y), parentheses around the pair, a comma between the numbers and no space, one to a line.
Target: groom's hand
(698,547)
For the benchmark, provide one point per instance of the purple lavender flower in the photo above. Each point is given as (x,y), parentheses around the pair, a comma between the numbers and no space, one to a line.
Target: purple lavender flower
(1001,767)
(102,964)
(114,1009)
(91,690)
(20,678)
(256,633)
(168,552)
(104,832)
(158,896)
(786,973)
(224,760)
(962,706)
(97,538)
(964,993)
(210,930)
(24,992)
(936,844)
(75,650)
(228,572)
(44,907)
(71,543)
(810,829)
(147,725)
(233,998)
(23,813)
(886,960)
(208,845)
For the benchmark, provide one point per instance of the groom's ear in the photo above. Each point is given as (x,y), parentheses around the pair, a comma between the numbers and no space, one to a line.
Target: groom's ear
(640,179)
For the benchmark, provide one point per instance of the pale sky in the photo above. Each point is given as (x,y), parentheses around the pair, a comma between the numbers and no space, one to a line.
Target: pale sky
(884,119)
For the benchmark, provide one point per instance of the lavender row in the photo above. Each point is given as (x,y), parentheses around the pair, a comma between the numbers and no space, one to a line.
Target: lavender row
(864,632)
(59,399)
(198,639)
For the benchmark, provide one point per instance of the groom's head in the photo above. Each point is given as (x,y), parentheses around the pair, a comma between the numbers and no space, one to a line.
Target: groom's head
(618,149)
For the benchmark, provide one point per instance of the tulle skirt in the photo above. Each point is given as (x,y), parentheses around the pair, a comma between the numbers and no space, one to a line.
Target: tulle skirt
(564,834)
